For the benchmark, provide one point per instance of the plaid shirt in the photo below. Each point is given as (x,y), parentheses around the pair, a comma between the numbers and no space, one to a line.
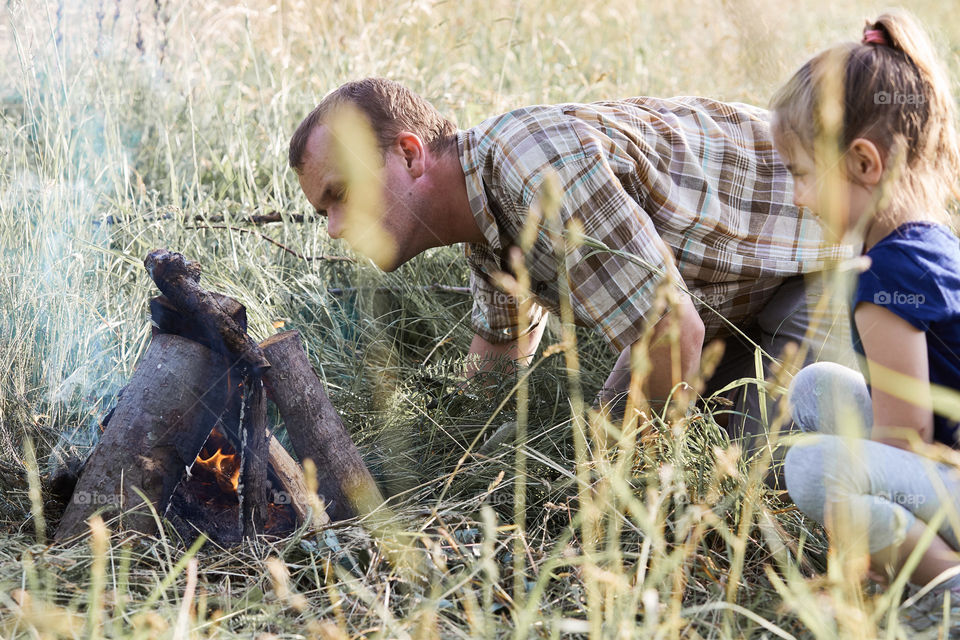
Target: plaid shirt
(686,185)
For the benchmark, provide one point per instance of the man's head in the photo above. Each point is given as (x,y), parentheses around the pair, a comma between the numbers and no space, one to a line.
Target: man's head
(407,132)
(389,106)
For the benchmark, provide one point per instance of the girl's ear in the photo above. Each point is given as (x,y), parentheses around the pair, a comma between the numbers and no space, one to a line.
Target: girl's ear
(864,162)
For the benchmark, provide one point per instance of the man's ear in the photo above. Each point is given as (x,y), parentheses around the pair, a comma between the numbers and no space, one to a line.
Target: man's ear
(864,162)
(412,149)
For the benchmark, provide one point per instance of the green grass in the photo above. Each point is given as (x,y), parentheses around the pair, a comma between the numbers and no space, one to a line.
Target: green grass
(127,125)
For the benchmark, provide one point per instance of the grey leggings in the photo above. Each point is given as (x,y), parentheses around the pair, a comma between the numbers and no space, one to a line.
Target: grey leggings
(888,487)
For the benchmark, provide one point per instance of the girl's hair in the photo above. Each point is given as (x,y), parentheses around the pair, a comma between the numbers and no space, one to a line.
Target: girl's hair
(895,94)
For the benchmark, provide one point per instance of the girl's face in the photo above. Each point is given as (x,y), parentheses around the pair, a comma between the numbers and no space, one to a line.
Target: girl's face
(799,162)
(839,207)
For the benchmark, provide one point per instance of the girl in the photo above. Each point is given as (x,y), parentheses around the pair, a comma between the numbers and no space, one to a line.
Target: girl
(881,112)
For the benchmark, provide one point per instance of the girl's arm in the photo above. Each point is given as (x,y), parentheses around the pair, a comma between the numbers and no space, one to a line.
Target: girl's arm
(899,376)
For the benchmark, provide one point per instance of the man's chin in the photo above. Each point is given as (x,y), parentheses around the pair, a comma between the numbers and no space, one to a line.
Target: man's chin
(380,252)
(392,264)
(386,261)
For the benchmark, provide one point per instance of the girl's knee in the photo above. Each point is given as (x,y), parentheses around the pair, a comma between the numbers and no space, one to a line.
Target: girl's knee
(822,394)
(804,474)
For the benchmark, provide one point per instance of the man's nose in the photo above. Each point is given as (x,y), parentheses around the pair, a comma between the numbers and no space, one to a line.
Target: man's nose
(334,224)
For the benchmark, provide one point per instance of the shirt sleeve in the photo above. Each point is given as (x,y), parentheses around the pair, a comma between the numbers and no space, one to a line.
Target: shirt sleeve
(903,285)
(495,312)
(614,275)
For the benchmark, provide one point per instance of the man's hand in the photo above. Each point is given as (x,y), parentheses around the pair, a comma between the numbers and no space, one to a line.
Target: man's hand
(671,360)
(490,355)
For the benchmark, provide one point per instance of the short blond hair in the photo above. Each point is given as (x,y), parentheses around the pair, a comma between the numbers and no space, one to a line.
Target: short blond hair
(389,106)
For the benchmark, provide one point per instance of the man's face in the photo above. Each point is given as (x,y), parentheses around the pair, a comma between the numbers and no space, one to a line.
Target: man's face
(385,234)
(324,186)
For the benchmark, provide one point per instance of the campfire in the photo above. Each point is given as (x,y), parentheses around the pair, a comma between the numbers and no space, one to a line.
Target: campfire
(223,467)
(209,499)
(189,437)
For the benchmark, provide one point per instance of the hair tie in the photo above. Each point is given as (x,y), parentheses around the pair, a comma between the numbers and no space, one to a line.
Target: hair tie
(874,36)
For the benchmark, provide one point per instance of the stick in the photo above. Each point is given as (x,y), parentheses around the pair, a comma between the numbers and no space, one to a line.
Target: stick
(274,243)
(293,487)
(253,491)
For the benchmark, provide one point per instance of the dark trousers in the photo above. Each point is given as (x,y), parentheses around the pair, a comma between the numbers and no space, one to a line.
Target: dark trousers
(784,319)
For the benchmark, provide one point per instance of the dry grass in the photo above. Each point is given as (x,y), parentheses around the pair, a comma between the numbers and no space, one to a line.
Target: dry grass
(122,121)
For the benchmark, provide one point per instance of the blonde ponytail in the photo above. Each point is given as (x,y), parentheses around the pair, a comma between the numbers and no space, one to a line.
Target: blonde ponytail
(940,144)
(896,93)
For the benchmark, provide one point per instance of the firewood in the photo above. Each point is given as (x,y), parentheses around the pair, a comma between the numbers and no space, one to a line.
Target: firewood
(178,279)
(253,478)
(157,429)
(315,429)
(167,318)
(293,487)
(199,365)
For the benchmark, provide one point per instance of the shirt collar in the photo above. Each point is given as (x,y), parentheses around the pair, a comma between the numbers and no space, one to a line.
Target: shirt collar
(470,158)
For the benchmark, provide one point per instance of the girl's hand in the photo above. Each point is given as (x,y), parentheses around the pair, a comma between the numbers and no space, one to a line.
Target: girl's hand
(899,376)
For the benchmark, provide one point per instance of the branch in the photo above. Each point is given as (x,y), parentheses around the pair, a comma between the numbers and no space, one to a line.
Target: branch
(429,288)
(274,242)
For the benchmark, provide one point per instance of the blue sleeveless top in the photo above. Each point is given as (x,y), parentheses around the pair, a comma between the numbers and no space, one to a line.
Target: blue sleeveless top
(915,273)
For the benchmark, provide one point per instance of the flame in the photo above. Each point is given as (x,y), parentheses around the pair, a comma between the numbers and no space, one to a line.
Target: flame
(225,467)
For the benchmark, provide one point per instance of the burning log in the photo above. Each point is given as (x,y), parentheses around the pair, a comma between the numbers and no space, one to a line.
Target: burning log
(289,487)
(253,497)
(315,429)
(178,279)
(157,429)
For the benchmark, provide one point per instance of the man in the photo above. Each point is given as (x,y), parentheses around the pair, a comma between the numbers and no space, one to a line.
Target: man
(686,188)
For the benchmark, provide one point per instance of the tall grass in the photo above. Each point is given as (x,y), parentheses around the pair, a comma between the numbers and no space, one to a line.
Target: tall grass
(131,124)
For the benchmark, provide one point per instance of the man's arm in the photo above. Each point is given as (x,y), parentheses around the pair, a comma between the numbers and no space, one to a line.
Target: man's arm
(662,377)
(516,351)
